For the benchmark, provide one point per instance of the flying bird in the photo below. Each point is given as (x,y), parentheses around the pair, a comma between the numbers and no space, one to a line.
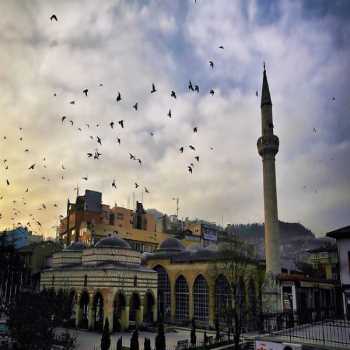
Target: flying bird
(140,161)
(89,155)
(221,47)
(71,122)
(85,92)
(153,89)
(192,147)
(189,169)
(72,102)
(146,190)
(314,130)
(173,94)
(121,123)
(181,149)
(169,113)
(114,184)
(190,86)
(132,156)
(111,124)
(53,17)
(119,97)
(8,182)
(136,185)
(135,106)
(256,93)
(63,118)
(211,63)
(196,158)
(85,178)
(31,167)
(118,140)
(63,168)
(195,129)
(196,88)
(212,92)
(99,140)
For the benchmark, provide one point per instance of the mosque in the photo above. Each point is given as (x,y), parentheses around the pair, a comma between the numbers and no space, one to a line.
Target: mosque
(111,278)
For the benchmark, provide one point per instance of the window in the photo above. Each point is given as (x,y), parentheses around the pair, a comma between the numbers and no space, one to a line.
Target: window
(85,281)
(111,219)
(163,293)
(182,299)
(201,299)
(223,296)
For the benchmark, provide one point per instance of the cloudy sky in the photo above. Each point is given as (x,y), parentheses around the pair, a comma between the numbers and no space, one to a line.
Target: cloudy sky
(128,45)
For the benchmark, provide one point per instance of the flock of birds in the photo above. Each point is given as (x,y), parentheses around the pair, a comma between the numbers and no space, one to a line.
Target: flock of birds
(97,153)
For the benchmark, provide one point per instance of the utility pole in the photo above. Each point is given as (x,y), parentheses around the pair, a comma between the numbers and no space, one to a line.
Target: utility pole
(177,199)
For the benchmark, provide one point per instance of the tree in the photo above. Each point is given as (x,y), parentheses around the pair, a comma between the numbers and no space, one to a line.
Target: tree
(160,338)
(134,341)
(147,344)
(237,263)
(193,333)
(31,322)
(106,336)
(120,343)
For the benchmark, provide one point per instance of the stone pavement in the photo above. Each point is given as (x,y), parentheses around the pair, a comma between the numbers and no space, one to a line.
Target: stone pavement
(87,340)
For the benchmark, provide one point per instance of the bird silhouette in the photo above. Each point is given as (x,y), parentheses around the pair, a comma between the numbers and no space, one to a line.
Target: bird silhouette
(256,93)
(333,98)
(63,168)
(85,91)
(85,178)
(140,161)
(195,129)
(99,140)
(196,88)
(212,92)
(181,149)
(89,155)
(190,86)
(27,190)
(153,89)
(192,147)
(100,84)
(221,47)
(135,106)
(196,158)
(31,167)
(146,190)
(111,124)
(314,130)
(88,125)
(53,17)
(189,169)
(72,102)
(211,63)
(114,184)
(121,123)
(26,150)
(71,122)
(173,94)
(136,185)
(63,118)
(169,113)
(7,182)
(132,156)
(118,140)
(119,97)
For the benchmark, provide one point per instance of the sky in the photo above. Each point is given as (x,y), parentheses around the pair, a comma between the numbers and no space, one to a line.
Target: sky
(124,46)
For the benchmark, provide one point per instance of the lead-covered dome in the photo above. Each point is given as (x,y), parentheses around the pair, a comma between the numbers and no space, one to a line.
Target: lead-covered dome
(172,245)
(112,242)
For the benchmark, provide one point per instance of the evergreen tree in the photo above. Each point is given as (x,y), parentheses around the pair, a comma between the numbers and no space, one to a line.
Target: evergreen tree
(106,337)
(147,344)
(160,338)
(134,341)
(193,333)
(120,343)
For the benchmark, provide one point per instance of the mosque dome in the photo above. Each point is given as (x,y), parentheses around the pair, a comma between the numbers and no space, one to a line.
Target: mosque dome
(113,242)
(171,244)
(76,246)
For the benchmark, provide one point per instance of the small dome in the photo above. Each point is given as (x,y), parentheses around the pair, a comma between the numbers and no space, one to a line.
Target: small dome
(112,242)
(76,246)
(171,244)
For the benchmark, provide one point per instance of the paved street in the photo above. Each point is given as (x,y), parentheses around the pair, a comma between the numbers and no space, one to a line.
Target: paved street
(91,340)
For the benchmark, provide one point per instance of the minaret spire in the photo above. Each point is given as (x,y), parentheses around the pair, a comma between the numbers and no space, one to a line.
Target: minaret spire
(265,92)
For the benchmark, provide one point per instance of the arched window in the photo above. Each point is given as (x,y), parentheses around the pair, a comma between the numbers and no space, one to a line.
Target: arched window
(163,293)
(223,297)
(181,299)
(201,299)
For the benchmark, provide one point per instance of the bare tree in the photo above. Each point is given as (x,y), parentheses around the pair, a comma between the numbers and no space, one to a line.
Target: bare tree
(238,264)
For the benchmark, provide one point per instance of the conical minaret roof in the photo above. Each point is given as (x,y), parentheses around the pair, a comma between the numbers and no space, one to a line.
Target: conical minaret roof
(265,91)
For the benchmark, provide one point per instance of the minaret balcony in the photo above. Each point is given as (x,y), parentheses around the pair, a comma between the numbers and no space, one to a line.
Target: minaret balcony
(268,144)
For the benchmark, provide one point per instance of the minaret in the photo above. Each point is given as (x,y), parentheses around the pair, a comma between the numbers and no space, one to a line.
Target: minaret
(268,147)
